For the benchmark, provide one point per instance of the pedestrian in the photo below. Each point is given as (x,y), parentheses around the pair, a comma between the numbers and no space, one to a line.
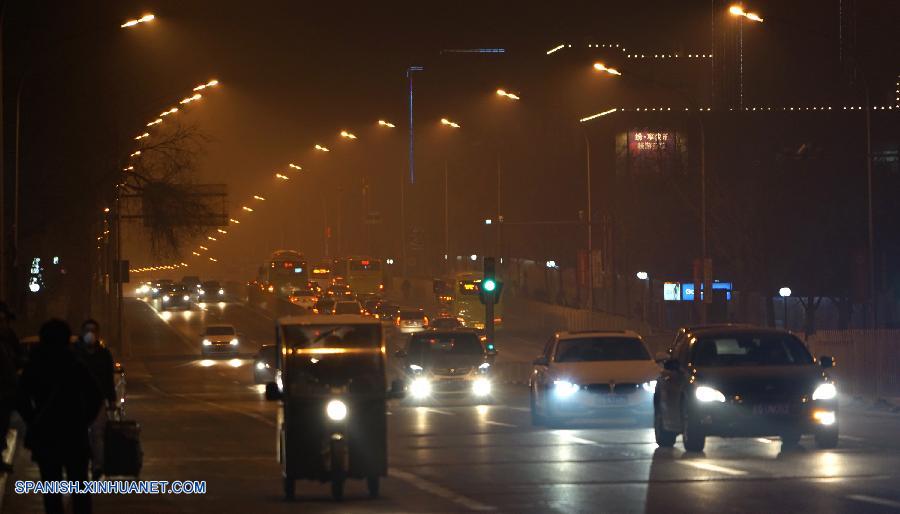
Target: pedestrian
(58,399)
(10,358)
(98,360)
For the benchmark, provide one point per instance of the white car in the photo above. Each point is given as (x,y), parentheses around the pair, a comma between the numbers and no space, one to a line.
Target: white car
(219,339)
(303,298)
(592,374)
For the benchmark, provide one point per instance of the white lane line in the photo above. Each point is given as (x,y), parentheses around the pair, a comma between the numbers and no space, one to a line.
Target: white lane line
(712,467)
(438,490)
(520,409)
(874,500)
(573,439)
(439,411)
(851,437)
(500,424)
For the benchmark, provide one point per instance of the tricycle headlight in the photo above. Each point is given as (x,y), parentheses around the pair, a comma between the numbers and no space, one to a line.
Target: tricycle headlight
(336,410)
(484,366)
(415,367)
(564,388)
(260,366)
(825,392)
(420,387)
(481,387)
(649,386)
(708,394)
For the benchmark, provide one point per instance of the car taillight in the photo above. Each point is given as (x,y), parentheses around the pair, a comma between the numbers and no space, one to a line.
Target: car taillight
(381,287)
(425,320)
(498,320)
(397,321)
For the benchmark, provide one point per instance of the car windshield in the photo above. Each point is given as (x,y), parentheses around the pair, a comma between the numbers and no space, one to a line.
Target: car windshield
(346,308)
(445,323)
(590,349)
(427,346)
(219,331)
(750,350)
(412,315)
(357,335)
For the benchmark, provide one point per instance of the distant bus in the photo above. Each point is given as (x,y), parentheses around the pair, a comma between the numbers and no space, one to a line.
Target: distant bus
(466,304)
(321,275)
(362,274)
(285,271)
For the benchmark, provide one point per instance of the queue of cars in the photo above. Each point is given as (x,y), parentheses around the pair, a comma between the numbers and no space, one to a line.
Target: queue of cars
(180,295)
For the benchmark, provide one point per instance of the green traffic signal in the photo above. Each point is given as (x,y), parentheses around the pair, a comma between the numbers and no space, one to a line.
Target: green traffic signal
(489,285)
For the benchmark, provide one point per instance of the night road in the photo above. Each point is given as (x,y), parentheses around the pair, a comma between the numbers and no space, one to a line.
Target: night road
(212,423)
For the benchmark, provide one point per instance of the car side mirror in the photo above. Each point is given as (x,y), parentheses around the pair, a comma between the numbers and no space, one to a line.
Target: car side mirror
(671,365)
(272,392)
(826,361)
(397,390)
(662,356)
(541,361)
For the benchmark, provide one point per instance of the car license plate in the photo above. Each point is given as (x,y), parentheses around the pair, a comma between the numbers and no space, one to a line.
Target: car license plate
(611,399)
(768,409)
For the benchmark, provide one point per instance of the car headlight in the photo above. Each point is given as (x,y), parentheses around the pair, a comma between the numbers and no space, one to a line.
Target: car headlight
(260,366)
(155,289)
(185,297)
(415,367)
(481,387)
(825,392)
(420,388)
(234,342)
(201,292)
(336,410)
(484,366)
(207,342)
(649,386)
(564,387)
(708,394)
(166,298)
(221,292)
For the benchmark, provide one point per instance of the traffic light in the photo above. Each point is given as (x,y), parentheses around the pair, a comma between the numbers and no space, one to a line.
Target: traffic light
(489,292)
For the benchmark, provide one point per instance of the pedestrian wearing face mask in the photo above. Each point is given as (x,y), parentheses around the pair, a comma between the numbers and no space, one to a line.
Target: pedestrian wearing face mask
(99,361)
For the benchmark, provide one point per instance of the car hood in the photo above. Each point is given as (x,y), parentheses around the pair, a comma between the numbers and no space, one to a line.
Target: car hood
(449,361)
(220,339)
(749,380)
(603,372)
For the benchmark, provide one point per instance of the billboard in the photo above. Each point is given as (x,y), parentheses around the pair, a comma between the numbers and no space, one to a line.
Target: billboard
(647,151)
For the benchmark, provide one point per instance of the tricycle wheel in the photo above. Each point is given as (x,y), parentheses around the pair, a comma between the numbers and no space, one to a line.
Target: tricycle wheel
(289,488)
(374,485)
(337,489)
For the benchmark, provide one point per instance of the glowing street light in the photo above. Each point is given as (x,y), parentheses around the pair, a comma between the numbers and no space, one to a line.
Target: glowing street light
(196,253)
(248,209)
(386,124)
(128,168)
(203,248)
(347,135)
(221,231)
(190,99)
(211,83)
(502,92)
(142,136)
(157,121)
(642,275)
(322,148)
(236,222)
(211,238)
(599,66)
(173,110)
(294,166)
(257,197)
(135,153)
(599,114)
(445,121)
(213,259)
(282,177)
(736,10)
(143,19)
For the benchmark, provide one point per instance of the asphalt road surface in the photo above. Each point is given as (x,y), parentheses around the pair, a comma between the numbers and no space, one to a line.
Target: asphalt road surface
(207,421)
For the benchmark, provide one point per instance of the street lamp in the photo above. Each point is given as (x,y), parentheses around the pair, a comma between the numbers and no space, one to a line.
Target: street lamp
(447,123)
(257,197)
(387,124)
(347,135)
(321,148)
(143,19)
(736,10)
(294,166)
(505,94)
(211,83)
(282,177)
(599,66)
(642,275)
(785,293)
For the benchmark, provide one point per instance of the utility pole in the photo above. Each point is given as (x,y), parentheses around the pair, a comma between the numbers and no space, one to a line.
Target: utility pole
(590,245)
(412,167)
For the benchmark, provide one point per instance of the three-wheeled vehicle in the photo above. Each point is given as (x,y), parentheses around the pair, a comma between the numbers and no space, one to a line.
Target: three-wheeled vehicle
(330,379)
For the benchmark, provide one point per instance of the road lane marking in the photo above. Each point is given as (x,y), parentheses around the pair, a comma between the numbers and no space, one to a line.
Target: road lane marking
(874,500)
(500,424)
(439,490)
(851,438)
(252,415)
(573,439)
(706,466)
(439,411)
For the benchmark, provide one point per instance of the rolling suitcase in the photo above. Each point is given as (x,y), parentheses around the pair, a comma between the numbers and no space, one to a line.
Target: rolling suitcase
(122,453)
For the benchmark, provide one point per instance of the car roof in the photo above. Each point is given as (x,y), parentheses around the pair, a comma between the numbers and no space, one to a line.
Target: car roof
(573,334)
(336,319)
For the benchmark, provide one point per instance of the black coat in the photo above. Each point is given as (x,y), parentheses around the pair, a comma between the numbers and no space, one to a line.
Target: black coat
(58,399)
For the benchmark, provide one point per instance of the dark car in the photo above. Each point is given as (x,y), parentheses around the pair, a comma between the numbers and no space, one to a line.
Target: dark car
(447,363)
(176,296)
(324,306)
(446,323)
(211,291)
(264,365)
(160,287)
(387,312)
(740,381)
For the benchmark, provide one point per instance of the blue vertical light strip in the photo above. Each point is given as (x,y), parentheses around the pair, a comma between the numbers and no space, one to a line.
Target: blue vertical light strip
(412,137)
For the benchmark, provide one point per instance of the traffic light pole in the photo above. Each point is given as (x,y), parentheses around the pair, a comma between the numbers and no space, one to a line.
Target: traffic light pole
(489,318)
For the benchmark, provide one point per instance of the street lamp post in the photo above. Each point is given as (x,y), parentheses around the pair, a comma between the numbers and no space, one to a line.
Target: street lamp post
(785,293)
(453,125)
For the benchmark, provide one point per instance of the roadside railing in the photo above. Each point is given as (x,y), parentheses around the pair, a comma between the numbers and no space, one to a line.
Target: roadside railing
(867,361)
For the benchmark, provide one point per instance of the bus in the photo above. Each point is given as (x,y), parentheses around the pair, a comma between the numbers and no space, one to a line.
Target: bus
(364,275)
(466,304)
(321,275)
(285,271)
